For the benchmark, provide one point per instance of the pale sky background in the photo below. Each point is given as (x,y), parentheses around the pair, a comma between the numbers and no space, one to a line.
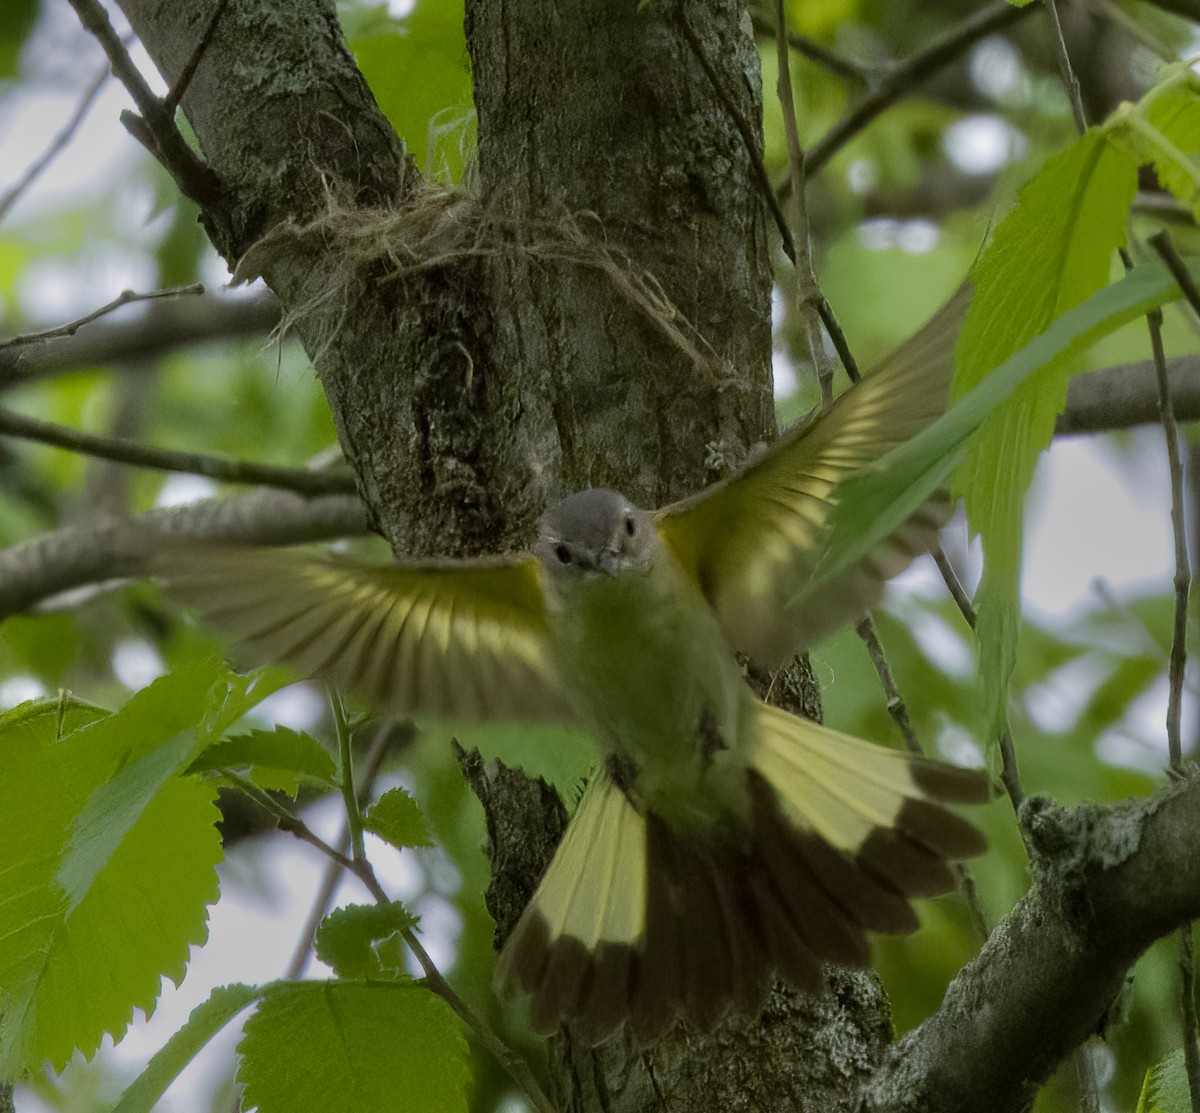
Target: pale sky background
(1092,520)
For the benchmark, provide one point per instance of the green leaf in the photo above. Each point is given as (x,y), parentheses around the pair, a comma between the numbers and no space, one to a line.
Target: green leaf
(347,938)
(1050,253)
(204,1022)
(875,503)
(243,694)
(373,1047)
(1165,1089)
(1163,129)
(278,759)
(397,819)
(75,966)
(148,741)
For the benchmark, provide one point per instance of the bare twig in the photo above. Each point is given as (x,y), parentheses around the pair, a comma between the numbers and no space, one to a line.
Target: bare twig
(910,73)
(895,702)
(64,137)
(1161,243)
(96,552)
(815,52)
(167,144)
(749,139)
(1010,774)
(171,100)
(808,292)
(1065,69)
(162,326)
(125,297)
(122,451)
(840,344)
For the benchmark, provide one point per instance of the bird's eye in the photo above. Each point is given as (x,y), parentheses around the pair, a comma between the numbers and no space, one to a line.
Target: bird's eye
(563,553)
(630,525)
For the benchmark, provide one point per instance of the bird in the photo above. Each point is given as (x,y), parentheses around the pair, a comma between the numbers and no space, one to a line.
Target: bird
(720,843)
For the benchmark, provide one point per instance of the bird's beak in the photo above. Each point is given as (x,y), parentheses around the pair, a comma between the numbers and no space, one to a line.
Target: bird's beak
(609,562)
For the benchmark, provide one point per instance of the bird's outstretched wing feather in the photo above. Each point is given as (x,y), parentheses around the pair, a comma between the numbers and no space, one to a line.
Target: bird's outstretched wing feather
(752,542)
(465,638)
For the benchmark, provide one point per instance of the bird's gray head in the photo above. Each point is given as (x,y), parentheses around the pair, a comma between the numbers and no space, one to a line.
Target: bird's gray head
(595,531)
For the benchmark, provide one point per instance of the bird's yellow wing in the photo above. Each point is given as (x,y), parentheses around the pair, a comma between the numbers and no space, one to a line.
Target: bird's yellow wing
(463,639)
(752,541)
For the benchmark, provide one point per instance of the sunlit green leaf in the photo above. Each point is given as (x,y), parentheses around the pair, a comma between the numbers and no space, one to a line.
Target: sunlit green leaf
(397,819)
(348,939)
(1165,1089)
(75,965)
(204,1022)
(279,759)
(875,503)
(1052,251)
(373,1047)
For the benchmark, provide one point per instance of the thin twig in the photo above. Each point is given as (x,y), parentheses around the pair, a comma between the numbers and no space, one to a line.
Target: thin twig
(957,592)
(125,297)
(807,293)
(815,52)
(895,702)
(192,176)
(284,819)
(1178,661)
(1161,242)
(354,819)
(840,344)
(171,101)
(749,139)
(60,141)
(361,868)
(910,73)
(124,451)
(1065,69)
(1010,774)
(378,752)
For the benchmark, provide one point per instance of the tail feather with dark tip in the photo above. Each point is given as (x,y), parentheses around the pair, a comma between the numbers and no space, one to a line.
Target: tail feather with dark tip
(635,923)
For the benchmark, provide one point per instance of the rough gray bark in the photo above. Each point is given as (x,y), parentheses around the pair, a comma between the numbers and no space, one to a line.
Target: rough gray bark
(599,315)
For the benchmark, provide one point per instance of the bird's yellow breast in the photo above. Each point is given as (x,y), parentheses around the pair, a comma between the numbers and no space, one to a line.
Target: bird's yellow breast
(647,668)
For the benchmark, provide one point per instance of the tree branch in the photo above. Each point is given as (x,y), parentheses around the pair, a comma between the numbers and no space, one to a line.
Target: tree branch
(123,451)
(1108,881)
(167,144)
(1125,396)
(76,556)
(163,327)
(910,73)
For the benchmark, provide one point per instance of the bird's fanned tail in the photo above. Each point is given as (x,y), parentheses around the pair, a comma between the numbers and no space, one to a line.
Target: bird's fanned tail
(634,923)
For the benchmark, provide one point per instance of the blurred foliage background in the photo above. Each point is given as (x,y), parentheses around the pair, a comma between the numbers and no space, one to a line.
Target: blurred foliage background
(898,214)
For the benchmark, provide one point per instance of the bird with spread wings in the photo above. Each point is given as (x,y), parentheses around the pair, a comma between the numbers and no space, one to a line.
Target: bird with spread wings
(720,842)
